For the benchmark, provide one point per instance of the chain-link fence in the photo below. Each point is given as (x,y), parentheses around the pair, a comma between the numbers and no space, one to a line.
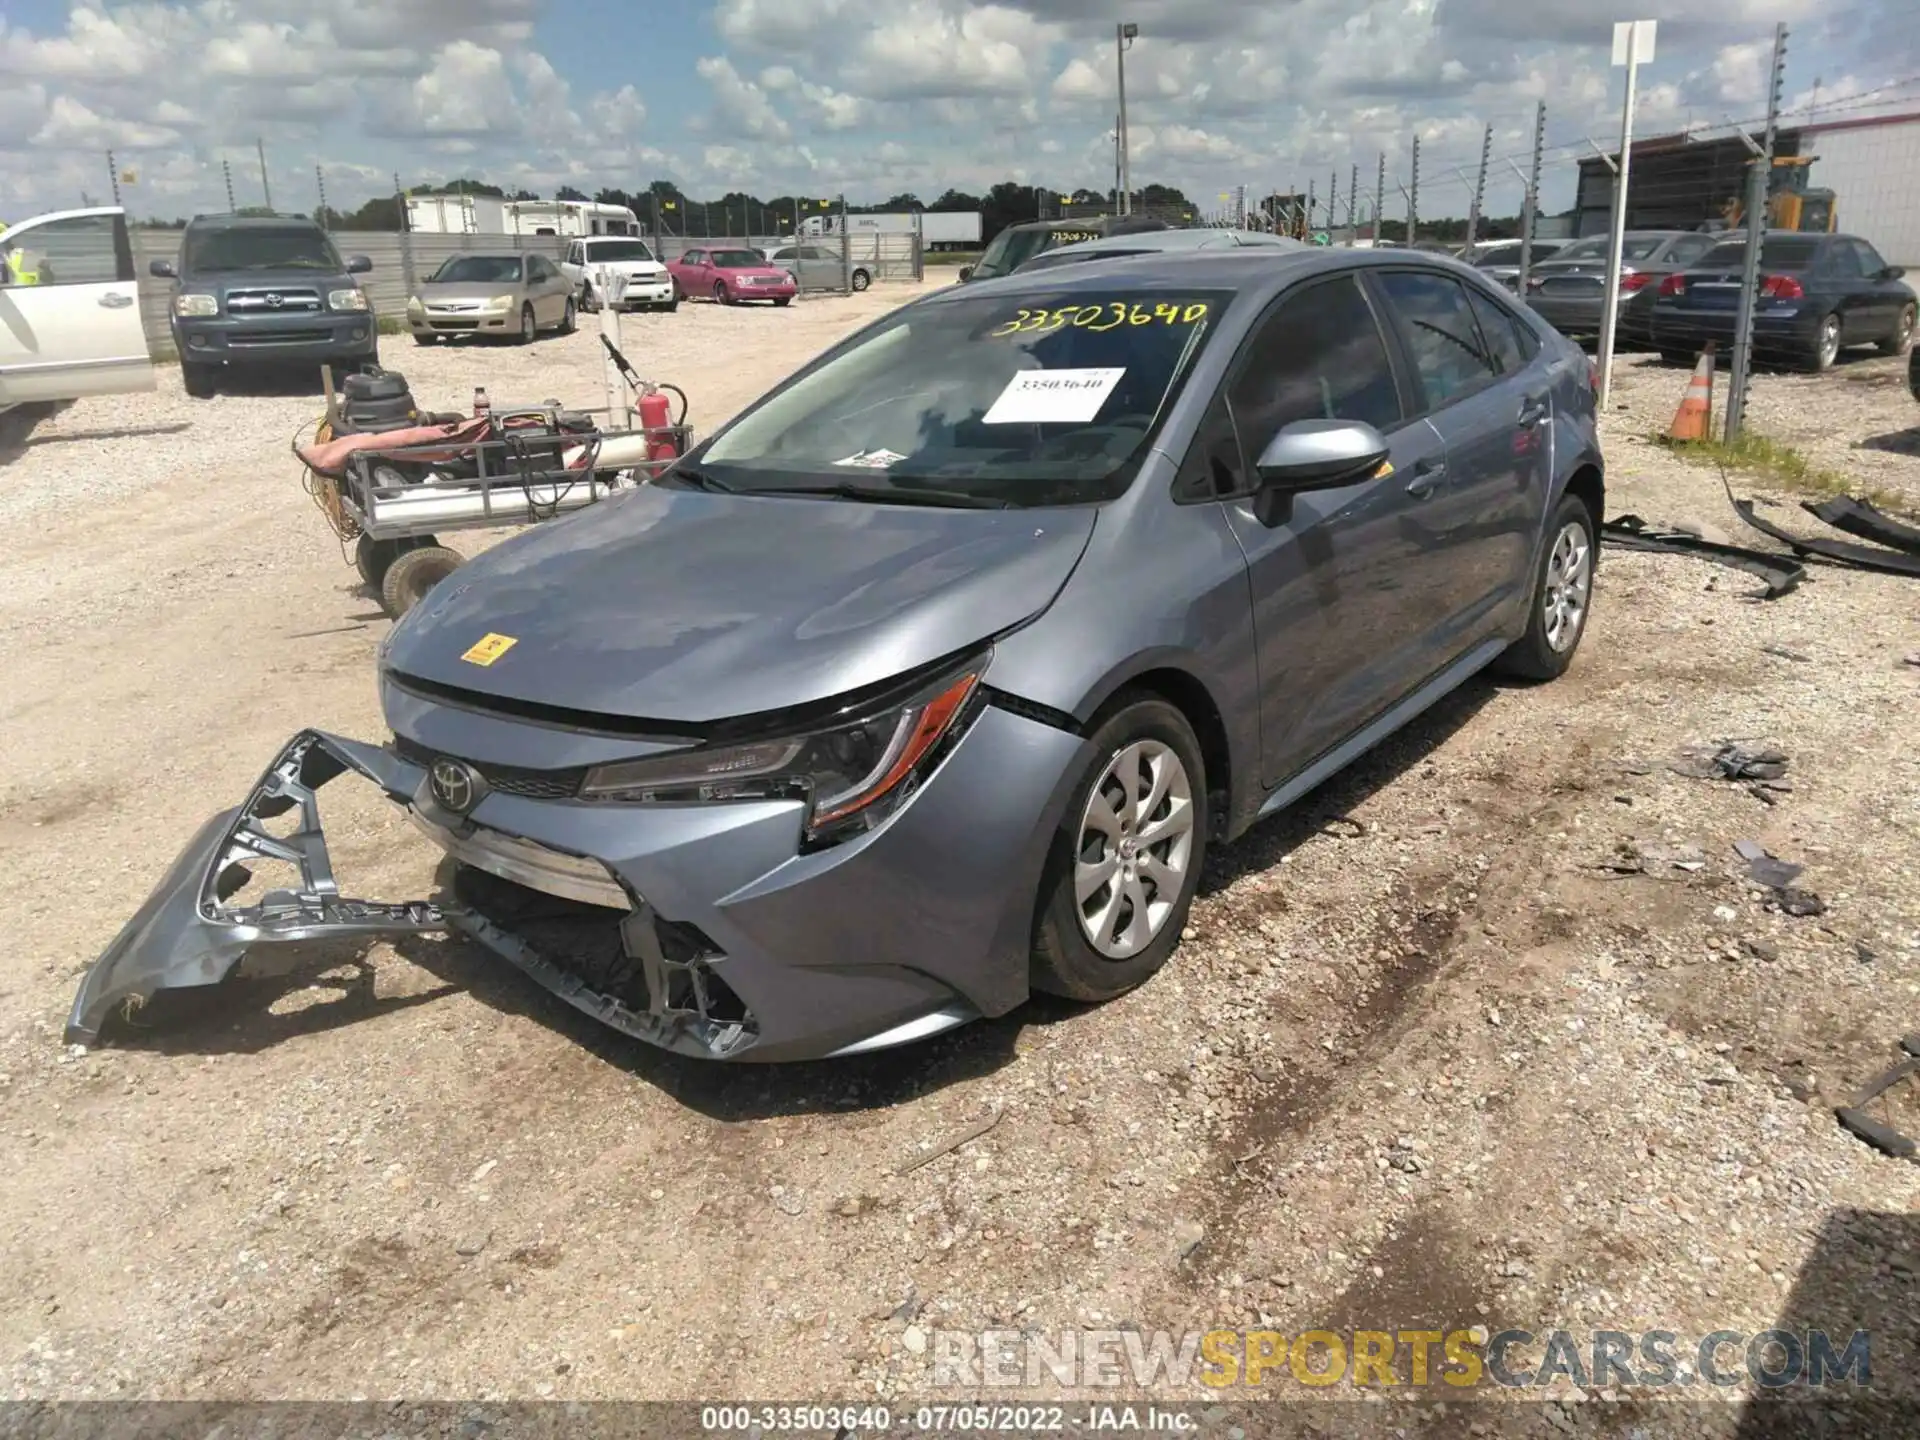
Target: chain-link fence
(1778,238)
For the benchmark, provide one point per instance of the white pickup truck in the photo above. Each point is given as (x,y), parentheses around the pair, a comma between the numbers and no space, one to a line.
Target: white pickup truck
(586,262)
(70,309)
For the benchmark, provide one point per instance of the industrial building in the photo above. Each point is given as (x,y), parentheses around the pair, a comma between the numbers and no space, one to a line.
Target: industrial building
(1681,182)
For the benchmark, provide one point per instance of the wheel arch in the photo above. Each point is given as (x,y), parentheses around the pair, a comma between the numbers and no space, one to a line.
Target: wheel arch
(1161,678)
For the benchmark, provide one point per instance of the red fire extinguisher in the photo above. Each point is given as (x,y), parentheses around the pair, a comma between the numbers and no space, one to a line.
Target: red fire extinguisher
(656,418)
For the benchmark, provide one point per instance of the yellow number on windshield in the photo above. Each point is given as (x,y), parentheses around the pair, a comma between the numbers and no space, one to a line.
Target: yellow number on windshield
(1019,319)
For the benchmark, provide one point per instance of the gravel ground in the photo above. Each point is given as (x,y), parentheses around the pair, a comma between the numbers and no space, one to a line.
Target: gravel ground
(1425,1058)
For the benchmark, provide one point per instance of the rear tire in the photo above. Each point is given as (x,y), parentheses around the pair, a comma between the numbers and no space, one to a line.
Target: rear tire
(202,382)
(860,280)
(373,558)
(412,574)
(1560,600)
(1826,346)
(569,322)
(1139,921)
(1902,337)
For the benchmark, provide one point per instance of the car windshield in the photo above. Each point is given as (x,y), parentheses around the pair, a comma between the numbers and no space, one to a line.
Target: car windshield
(258,247)
(738,259)
(1774,255)
(1035,400)
(1012,248)
(478,270)
(599,252)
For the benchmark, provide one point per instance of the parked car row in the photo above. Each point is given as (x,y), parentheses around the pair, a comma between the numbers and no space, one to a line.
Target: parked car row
(1679,289)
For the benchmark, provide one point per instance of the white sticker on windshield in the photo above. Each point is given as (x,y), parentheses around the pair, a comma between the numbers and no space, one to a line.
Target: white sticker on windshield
(872,459)
(1042,397)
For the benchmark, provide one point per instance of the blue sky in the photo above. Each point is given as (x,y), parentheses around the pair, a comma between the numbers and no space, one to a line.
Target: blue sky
(822,96)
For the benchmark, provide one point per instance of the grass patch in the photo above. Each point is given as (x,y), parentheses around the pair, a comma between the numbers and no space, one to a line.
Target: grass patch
(951,257)
(1780,465)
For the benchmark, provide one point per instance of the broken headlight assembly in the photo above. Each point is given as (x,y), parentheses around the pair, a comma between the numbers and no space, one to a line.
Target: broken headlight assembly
(852,774)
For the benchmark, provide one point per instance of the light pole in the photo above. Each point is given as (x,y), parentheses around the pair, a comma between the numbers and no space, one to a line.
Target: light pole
(1123,37)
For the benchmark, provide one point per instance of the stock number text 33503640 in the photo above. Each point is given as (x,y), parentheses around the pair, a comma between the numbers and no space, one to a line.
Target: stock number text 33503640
(1104,315)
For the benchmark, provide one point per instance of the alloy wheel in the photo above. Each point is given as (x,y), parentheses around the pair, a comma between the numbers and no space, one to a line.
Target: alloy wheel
(1829,341)
(1134,848)
(1903,333)
(1569,587)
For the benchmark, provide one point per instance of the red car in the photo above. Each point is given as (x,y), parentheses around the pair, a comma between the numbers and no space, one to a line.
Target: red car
(730,276)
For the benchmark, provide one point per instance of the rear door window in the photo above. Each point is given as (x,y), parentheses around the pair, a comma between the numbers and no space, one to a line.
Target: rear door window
(1501,333)
(1442,336)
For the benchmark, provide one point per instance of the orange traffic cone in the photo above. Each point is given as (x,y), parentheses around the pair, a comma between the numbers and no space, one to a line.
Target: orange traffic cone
(1692,420)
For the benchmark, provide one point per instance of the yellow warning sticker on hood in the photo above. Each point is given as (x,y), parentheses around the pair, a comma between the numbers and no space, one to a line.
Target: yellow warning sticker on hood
(489,648)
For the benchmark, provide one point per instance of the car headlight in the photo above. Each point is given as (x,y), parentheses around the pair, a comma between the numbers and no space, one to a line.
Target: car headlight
(353,299)
(195,305)
(851,774)
(500,302)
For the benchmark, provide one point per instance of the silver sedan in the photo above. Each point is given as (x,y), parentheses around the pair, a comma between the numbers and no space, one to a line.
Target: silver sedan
(499,295)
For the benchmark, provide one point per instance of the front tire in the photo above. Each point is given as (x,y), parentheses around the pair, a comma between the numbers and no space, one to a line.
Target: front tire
(720,295)
(1902,337)
(569,321)
(1124,865)
(588,304)
(529,325)
(201,381)
(1561,598)
(667,307)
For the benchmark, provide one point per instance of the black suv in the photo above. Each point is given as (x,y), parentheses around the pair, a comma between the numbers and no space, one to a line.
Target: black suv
(1017,244)
(257,290)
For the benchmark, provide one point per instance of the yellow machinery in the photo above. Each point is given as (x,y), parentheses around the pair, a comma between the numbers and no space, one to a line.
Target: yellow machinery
(1791,203)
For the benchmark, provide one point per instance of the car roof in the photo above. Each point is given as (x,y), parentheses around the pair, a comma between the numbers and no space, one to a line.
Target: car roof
(1160,242)
(1260,271)
(250,222)
(491,255)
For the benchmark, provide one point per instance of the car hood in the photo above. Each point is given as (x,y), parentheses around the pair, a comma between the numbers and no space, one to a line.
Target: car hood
(469,289)
(687,607)
(635,267)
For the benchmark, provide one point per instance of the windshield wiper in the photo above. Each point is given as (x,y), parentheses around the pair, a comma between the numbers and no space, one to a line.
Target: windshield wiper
(889,495)
(697,480)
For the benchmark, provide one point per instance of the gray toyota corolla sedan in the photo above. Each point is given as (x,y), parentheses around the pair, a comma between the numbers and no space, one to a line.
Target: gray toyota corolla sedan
(929,679)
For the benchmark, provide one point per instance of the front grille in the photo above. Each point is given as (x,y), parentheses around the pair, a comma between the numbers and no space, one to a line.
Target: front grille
(664,974)
(507,779)
(266,340)
(261,302)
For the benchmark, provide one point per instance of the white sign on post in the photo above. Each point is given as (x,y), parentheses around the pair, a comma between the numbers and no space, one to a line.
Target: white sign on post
(1633,42)
(1632,48)
(613,291)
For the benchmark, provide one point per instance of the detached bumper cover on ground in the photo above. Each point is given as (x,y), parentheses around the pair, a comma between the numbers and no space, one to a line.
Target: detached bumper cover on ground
(756,952)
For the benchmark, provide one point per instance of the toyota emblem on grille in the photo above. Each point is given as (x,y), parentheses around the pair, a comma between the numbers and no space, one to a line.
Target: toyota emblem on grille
(455,785)
(273,299)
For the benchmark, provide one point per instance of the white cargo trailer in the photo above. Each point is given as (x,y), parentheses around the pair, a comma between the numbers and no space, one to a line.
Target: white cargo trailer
(936,228)
(490,215)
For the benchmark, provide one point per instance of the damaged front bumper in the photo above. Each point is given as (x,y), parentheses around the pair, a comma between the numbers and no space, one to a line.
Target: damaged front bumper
(188,935)
(698,929)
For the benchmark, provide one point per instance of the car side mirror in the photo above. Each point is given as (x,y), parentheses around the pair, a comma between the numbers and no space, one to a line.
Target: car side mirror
(162,269)
(966,273)
(1314,455)
(1893,272)
(359,264)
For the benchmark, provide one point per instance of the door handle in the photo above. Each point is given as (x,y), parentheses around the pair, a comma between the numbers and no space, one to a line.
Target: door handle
(114,300)
(1532,411)
(1426,479)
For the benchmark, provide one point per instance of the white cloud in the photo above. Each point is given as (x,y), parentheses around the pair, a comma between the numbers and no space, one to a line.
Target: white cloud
(740,107)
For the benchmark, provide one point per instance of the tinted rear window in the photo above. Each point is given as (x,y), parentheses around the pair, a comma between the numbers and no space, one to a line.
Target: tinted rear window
(1782,254)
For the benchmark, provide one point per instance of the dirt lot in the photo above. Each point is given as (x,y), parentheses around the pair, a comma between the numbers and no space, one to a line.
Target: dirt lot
(1423,1060)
